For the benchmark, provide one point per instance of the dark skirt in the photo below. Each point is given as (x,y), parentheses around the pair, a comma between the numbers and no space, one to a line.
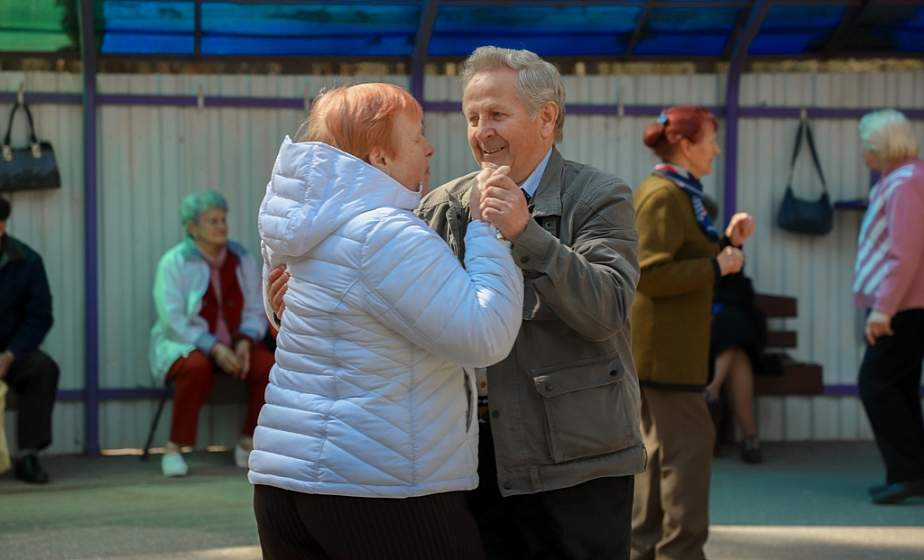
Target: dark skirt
(738,323)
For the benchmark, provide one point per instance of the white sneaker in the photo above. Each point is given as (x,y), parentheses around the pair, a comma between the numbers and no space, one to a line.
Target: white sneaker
(172,464)
(241,456)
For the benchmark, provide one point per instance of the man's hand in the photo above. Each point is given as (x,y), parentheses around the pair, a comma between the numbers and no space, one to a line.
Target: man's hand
(276,289)
(227,360)
(877,324)
(242,351)
(503,204)
(6,360)
(740,228)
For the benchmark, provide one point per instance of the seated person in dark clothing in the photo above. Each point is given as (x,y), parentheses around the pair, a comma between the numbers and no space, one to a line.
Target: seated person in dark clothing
(739,335)
(25,319)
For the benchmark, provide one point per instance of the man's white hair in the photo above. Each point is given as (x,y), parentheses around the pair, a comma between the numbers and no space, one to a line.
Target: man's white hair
(538,81)
(889,134)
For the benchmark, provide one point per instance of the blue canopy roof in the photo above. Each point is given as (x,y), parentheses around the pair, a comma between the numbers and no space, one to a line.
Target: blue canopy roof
(628,29)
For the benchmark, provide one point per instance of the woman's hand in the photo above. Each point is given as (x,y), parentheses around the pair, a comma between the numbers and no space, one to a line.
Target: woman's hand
(227,360)
(242,351)
(730,260)
(877,324)
(740,228)
(474,201)
(276,289)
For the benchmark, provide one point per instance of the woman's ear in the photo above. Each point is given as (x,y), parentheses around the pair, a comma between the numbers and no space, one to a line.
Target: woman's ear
(379,160)
(685,147)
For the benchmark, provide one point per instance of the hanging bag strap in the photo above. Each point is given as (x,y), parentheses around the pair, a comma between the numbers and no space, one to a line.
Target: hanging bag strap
(811,144)
(795,152)
(33,140)
(805,128)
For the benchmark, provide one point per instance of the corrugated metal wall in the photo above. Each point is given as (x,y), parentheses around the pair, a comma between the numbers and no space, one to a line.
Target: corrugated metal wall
(150,157)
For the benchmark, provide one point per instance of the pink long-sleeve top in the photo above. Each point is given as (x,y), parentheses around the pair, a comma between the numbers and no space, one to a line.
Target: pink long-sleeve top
(889,270)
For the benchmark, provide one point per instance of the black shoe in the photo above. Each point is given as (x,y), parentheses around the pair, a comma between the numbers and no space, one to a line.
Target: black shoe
(898,492)
(873,490)
(750,450)
(29,470)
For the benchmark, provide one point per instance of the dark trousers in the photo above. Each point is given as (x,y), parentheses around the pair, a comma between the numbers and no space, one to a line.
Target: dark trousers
(34,378)
(890,387)
(589,521)
(295,526)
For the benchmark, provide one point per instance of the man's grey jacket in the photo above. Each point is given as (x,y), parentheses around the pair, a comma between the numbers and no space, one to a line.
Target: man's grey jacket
(564,405)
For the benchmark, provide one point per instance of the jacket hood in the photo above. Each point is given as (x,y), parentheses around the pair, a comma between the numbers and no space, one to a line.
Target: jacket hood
(316,188)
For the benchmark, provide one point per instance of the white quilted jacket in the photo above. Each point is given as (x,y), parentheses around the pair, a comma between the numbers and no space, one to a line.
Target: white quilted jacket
(368,396)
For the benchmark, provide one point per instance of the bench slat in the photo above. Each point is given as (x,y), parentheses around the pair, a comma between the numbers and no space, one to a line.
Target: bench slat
(777,307)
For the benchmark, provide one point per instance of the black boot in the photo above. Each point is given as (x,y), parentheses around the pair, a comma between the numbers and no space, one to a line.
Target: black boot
(29,470)
(750,450)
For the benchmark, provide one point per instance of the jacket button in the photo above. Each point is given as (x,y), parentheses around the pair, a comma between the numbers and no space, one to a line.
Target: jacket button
(614,373)
(548,387)
(524,260)
(495,414)
(507,485)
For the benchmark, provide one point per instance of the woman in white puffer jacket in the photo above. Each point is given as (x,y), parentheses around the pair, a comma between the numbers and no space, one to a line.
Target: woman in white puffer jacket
(368,437)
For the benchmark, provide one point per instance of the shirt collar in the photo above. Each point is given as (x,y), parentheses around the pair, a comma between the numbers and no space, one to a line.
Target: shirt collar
(532,182)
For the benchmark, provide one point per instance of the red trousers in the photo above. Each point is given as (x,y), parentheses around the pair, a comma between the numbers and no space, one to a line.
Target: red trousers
(192,378)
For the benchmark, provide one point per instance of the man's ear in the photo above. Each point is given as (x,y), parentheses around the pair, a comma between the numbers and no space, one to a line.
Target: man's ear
(548,116)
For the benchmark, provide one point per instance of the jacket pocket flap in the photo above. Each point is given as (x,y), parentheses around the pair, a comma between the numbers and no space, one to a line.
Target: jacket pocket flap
(585,374)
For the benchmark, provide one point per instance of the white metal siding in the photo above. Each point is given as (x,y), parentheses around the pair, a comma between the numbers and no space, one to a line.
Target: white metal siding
(150,157)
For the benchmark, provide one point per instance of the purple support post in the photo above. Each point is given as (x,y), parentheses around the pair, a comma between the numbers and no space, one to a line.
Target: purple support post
(742,42)
(91,319)
(730,196)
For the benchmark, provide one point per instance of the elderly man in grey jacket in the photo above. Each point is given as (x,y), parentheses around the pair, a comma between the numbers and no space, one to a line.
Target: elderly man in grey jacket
(563,407)
(560,438)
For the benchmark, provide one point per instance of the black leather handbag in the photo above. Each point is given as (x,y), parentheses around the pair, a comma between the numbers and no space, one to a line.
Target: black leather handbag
(31,167)
(811,217)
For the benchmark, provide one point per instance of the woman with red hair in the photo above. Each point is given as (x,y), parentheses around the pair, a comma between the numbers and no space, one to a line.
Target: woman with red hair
(682,256)
(369,437)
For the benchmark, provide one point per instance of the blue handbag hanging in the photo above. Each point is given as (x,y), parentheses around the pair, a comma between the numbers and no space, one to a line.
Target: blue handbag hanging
(810,217)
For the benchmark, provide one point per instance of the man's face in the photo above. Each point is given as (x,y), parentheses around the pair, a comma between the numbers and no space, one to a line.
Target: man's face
(501,129)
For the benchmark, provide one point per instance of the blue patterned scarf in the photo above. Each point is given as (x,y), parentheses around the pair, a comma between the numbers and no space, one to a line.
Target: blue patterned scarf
(694,189)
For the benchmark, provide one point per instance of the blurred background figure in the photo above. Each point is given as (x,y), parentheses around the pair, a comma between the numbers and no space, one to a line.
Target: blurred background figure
(210,319)
(889,282)
(739,335)
(682,256)
(25,319)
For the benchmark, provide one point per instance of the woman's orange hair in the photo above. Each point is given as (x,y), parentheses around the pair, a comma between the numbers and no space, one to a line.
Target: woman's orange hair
(358,118)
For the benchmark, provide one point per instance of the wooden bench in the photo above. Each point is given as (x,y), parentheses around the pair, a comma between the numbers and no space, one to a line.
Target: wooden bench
(789,376)
(795,377)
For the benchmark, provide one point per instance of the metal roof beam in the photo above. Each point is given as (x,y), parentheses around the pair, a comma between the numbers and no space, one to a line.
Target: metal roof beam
(744,36)
(197,26)
(639,27)
(421,46)
(846,27)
